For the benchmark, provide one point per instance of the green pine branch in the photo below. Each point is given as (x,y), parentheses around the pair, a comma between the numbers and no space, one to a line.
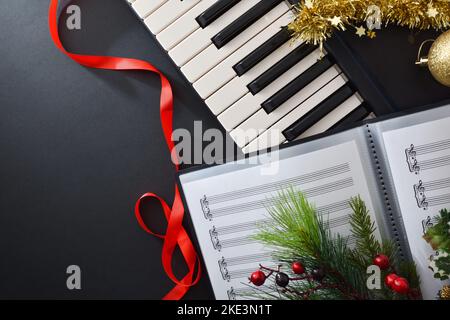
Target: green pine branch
(299,234)
(439,234)
(363,228)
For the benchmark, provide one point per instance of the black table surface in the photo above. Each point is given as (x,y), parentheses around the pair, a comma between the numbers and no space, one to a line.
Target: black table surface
(79,146)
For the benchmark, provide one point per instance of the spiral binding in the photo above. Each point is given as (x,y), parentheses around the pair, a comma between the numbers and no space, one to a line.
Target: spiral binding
(385,192)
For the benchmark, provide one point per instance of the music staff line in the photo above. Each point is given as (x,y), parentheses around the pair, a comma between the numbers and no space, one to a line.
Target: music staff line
(276,186)
(251,225)
(428,223)
(435,184)
(256,257)
(415,166)
(437,200)
(264,203)
(233,293)
(219,244)
(421,194)
(431,147)
(434,163)
(228,274)
(243,273)
(225,263)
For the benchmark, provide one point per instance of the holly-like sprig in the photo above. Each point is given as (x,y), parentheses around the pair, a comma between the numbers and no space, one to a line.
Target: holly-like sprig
(438,236)
(303,239)
(317,280)
(393,281)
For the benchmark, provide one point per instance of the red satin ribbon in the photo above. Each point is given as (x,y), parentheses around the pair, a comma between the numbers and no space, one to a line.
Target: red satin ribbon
(175,233)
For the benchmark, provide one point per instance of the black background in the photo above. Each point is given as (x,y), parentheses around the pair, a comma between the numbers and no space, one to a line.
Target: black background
(79,146)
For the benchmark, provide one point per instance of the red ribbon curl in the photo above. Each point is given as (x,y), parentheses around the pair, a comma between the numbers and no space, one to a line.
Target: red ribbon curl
(175,235)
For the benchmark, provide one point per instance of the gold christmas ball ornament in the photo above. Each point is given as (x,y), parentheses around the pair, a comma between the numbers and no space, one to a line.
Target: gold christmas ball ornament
(438,60)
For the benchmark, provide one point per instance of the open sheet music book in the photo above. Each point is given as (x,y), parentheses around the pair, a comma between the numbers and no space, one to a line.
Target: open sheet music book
(399,166)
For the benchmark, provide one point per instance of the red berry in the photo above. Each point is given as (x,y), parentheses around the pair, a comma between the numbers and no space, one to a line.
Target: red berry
(400,285)
(258,278)
(389,280)
(298,268)
(382,261)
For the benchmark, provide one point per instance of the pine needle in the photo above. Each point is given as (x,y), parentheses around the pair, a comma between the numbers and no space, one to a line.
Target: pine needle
(298,233)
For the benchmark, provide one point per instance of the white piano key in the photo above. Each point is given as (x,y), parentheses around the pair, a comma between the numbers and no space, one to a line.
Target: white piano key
(223,72)
(168,13)
(145,7)
(201,38)
(227,95)
(273,136)
(181,28)
(333,117)
(370,116)
(262,121)
(211,56)
(249,104)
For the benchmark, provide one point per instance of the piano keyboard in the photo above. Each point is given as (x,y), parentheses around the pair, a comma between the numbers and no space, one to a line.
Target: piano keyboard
(264,89)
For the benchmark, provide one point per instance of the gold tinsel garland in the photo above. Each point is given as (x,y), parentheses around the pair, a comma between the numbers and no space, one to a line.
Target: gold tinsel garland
(317,19)
(445,293)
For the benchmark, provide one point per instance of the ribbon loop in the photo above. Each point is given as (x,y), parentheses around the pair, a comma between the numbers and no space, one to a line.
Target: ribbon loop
(175,235)
(137,212)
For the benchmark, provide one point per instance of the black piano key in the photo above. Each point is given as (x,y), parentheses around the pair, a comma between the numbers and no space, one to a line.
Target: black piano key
(297,84)
(355,116)
(262,51)
(280,67)
(243,22)
(215,11)
(320,111)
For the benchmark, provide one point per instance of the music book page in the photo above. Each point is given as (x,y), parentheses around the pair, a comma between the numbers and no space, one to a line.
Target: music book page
(227,209)
(419,158)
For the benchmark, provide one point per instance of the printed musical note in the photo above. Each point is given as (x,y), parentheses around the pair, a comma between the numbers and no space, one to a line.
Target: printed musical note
(419,192)
(413,152)
(432,193)
(214,212)
(226,263)
(428,223)
(246,292)
(272,187)
(411,159)
(231,205)
(216,232)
